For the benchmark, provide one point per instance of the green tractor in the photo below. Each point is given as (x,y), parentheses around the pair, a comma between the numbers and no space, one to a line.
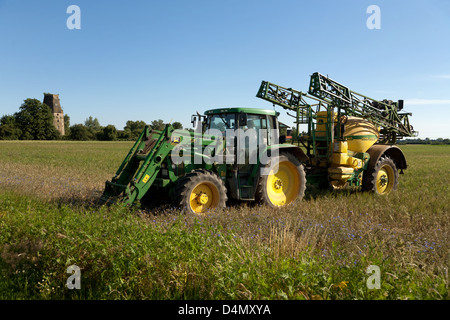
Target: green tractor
(239,153)
(201,171)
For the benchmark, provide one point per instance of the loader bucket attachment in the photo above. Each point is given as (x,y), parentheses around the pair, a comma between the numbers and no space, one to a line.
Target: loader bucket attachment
(139,168)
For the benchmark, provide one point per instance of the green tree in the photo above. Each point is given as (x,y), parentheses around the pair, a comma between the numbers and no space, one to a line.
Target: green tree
(135,125)
(92,123)
(80,132)
(67,125)
(35,120)
(9,129)
(177,125)
(124,134)
(157,124)
(133,129)
(94,127)
(109,133)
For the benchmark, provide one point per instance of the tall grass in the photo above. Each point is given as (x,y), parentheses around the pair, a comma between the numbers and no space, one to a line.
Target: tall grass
(70,170)
(318,248)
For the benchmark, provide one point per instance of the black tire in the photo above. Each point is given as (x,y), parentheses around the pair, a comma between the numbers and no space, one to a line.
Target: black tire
(207,187)
(295,190)
(382,178)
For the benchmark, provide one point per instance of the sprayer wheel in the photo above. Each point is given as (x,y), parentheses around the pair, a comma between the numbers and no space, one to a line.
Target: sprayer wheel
(382,178)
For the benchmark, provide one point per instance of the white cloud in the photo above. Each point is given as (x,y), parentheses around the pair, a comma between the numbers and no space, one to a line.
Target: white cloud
(426,101)
(442,76)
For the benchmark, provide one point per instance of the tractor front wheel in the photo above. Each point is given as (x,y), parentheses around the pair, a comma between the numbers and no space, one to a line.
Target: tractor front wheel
(200,191)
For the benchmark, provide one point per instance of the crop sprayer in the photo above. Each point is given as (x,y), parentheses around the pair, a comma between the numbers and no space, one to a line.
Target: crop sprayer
(239,153)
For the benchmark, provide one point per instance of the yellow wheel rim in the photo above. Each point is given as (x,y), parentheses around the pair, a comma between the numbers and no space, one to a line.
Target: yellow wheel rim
(385,179)
(283,186)
(203,197)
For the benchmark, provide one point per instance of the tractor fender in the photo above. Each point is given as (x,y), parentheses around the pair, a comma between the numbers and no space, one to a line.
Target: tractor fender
(296,151)
(395,153)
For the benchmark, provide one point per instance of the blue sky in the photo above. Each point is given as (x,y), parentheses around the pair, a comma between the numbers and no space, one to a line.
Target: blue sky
(147,60)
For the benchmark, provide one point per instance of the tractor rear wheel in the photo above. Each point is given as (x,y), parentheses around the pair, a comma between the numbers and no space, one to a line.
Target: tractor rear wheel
(200,191)
(382,178)
(284,186)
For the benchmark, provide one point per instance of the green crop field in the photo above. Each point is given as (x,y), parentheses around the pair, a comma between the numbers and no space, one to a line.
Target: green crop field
(317,248)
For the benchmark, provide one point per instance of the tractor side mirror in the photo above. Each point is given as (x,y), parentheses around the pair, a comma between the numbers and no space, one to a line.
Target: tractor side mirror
(242,119)
(198,121)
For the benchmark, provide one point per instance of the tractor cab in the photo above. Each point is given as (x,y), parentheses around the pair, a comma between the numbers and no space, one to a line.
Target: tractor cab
(230,120)
(249,135)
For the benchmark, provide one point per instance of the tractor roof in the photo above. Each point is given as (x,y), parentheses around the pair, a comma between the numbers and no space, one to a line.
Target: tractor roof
(246,110)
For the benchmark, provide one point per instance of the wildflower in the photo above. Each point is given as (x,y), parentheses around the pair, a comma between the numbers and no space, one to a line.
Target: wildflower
(342,285)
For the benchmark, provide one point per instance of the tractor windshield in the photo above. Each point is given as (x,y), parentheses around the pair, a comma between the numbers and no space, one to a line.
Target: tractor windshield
(222,121)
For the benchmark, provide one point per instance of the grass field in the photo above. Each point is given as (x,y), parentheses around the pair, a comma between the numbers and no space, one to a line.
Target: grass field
(318,248)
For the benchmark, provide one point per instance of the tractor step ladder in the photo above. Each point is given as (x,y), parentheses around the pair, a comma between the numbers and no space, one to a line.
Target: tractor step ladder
(322,142)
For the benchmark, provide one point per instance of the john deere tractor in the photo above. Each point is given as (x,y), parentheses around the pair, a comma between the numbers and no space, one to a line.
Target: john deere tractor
(239,153)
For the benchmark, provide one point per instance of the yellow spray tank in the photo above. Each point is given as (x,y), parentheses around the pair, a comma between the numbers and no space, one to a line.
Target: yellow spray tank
(359,135)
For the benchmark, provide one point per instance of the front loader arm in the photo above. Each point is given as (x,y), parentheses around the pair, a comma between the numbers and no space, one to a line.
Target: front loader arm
(140,167)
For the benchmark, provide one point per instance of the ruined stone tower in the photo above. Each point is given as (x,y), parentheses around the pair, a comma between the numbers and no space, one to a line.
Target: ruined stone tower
(52,100)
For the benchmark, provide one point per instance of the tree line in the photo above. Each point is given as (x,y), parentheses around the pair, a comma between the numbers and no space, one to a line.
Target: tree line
(425,141)
(34,121)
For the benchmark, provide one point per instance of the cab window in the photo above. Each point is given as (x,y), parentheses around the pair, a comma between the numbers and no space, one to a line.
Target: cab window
(259,122)
(222,122)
